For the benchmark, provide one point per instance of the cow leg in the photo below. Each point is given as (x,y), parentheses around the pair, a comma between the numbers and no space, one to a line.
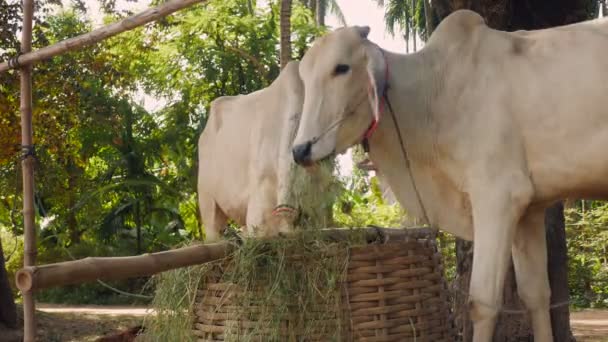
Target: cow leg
(497,209)
(213,219)
(285,177)
(530,261)
(259,210)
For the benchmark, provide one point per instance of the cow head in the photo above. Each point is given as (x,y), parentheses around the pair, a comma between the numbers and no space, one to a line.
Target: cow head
(344,77)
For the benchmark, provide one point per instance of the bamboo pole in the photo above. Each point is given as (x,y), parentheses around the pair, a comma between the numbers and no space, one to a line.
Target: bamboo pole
(101,33)
(116,268)
(27,166)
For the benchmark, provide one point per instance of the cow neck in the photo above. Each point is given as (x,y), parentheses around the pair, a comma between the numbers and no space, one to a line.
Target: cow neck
(391,116)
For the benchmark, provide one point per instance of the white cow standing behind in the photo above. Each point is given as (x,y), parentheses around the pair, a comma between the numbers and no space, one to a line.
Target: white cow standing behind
(489,129)
(245,162)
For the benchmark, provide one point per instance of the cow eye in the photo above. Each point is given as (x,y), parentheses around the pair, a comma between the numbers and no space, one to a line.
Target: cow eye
(341,69)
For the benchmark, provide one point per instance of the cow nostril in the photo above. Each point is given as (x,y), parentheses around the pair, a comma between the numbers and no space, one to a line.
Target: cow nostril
(301,153)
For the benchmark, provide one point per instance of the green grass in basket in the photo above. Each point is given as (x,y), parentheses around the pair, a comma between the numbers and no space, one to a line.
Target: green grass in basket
(292,279)
(175,292)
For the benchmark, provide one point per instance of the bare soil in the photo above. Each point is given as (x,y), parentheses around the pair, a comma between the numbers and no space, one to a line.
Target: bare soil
(590,325)
(57,323)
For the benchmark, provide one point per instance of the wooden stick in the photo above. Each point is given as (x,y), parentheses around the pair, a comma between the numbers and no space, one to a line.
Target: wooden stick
(27,166)
(101,33)
(114,268)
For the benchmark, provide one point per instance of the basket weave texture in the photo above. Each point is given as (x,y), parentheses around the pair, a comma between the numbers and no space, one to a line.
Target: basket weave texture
(393,291)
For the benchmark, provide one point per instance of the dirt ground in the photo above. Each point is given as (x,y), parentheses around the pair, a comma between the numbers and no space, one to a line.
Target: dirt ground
(87,323)
(58,323)
(590,325)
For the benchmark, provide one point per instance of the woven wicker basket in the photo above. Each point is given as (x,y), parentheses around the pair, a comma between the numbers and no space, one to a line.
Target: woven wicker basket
(394,291)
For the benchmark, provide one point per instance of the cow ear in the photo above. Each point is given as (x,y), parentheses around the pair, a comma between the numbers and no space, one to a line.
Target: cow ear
(376,71)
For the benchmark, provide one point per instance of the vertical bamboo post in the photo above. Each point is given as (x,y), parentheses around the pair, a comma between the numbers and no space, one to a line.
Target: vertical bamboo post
(29,305)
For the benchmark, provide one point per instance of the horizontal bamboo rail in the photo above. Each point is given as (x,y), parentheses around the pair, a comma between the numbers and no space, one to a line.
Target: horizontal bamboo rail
(99,34)
(116,268)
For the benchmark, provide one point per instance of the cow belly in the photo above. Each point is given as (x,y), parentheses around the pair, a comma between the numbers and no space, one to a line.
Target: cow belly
(570,160)
(580,174)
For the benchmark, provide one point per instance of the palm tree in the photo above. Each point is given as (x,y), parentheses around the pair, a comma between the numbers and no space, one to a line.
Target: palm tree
(328,6)
(409,17)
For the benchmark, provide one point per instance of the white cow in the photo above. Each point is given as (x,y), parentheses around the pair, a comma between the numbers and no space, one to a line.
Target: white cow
(489,127)
(245,163)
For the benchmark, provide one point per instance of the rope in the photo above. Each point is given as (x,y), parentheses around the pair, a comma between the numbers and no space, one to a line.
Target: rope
(28,151)
(407,161)
(121,292)
(506,310)
(339,121)
(284,208)
(405,156)
(13,62)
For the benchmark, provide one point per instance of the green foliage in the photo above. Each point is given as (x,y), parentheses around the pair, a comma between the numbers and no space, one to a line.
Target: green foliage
(361,204)
(587,238)
(12,246)
(408,16)
(95,293)
(113,177)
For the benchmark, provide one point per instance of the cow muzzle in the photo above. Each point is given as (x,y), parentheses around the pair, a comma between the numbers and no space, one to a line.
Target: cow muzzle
(302,154)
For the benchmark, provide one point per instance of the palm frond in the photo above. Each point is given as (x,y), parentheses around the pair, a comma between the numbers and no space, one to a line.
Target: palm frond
(396,16)
(335,9)
(380,3)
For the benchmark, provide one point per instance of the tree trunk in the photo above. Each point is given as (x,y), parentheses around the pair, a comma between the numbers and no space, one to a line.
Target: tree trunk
(138,226)
(558,272)
(515,15)
(8,310)
(428,20)
(285,24)
(313,5)
(321,11)
(414,26)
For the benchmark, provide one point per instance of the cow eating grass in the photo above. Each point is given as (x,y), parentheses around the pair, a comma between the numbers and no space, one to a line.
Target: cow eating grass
(478,133)
(246,172)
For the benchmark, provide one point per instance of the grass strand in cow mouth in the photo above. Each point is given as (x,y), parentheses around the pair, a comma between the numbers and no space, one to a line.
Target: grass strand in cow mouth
(314,193)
